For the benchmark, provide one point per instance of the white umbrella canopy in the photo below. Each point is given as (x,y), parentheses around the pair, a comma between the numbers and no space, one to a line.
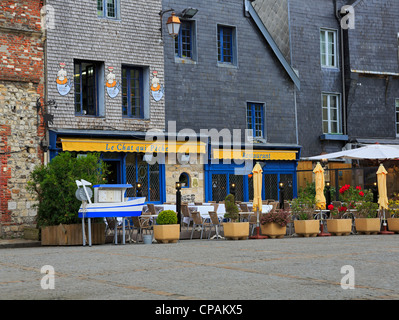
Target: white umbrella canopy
(373,151)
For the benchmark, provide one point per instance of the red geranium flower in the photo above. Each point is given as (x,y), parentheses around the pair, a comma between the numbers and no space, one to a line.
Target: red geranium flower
(342,209)
(330,207)
(359,188)
(361,193)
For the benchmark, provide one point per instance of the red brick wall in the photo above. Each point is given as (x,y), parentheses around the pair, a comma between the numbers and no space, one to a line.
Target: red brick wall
(21,63)
(21,47)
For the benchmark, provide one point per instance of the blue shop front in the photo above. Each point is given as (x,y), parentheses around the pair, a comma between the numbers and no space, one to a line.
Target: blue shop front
(230,171)
(127,155)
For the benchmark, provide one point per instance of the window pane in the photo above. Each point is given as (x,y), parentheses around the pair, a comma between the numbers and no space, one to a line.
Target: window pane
(325,127)
(111,9)
(100,9)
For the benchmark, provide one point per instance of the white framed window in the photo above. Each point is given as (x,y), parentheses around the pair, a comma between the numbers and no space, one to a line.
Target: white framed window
(397,116)
(108,9)
(328,48)
(331,105)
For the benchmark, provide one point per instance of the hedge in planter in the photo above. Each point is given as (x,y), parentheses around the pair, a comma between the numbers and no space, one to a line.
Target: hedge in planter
(167,230)
(234,230)
(54,187)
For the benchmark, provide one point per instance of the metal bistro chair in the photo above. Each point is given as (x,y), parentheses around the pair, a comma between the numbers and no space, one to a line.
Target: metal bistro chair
(198,222)
(141,223)
(244,216)
(215,222)
(253,221)
(186,215)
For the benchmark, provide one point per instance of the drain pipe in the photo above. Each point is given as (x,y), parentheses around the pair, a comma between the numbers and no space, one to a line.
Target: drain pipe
(344,105)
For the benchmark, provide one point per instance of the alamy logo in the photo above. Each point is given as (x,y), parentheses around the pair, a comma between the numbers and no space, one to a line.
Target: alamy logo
(48,281)
(47,13)
(348,17)
(348,281)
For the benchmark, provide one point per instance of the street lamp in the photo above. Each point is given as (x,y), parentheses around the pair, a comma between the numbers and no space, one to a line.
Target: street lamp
(233,189)
(178,203)
(328,194)
(375,193)
(281,185)
(173,23)
(139,192)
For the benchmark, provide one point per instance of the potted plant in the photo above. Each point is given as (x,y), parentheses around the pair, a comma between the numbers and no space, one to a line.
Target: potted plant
(393,211)
(304,224)
(337,224)
(234,229)
(367,221)
(167,229)
(54,187)
(274,224)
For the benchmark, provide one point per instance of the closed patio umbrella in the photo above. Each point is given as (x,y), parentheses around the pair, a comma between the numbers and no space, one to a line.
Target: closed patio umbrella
(382,194)
(257,202)
(320,198)
(319,182)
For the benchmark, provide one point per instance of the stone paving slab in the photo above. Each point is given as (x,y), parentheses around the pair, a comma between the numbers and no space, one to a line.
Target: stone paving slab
(279,269)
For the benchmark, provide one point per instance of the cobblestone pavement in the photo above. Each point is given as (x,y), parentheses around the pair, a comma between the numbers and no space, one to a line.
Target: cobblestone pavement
(282,269)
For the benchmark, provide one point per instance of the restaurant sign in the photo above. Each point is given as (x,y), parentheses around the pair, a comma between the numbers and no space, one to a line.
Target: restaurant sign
(100,145)
(261,155)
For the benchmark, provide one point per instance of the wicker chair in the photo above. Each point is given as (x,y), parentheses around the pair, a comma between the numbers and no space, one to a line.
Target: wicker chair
(186,215)
(215,222)
(198,222)
(141,224)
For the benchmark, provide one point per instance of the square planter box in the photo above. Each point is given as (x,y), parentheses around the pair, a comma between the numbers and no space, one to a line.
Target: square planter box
(71,234)
(31,233)
(236,230)
(273,230)
(339,227)
(393,224)
(368,225)
(167,233)
(307,228)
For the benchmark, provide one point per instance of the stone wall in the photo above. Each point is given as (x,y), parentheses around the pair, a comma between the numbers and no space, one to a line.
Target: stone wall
(19,154)
(196,178)
(21,125)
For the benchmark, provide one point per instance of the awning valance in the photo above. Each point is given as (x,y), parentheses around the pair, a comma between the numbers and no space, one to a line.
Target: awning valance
(261,155)
(121,145)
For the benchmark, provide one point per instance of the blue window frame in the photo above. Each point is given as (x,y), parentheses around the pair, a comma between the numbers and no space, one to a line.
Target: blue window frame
(184,41)
(184,179)
(132,92)
(107,8)
(225,44)
(255,119)
(86,87)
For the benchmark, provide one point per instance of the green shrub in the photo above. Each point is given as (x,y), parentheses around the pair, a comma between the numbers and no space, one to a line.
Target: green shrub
(54,186)
(167,217)
(231,209)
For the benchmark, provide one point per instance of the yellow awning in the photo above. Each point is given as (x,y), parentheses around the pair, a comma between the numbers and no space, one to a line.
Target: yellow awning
(254,154)
(120,145)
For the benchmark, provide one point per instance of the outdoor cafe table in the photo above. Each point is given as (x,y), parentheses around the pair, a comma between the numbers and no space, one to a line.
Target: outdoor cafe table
(202,209)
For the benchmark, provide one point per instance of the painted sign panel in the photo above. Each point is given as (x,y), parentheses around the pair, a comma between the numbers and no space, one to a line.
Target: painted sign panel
(63,83)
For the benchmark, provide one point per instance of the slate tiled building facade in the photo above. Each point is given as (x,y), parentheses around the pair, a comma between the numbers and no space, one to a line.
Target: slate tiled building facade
(105,70)
(231,78)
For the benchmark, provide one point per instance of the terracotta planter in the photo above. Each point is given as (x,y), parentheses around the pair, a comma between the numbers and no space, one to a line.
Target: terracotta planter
(339,227)
(167,233)
(307,228)
(368,225)
(71,234)
(393,224)
(273,230)
(236,230)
